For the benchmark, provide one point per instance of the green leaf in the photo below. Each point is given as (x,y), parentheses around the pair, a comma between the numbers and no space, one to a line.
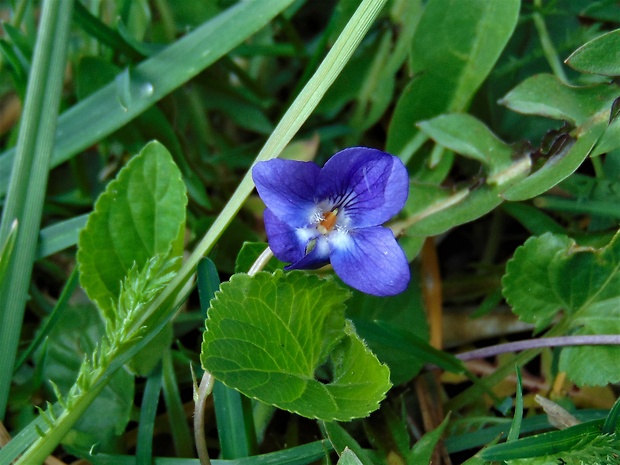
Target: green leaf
(549,274)
(598,56)
(141,214)
(422,451)
(527,283)
(546,95)
(454,47)
(469,137)
(594,365)
(268,335)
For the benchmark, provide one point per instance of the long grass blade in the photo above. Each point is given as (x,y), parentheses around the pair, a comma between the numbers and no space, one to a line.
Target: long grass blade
(26,191)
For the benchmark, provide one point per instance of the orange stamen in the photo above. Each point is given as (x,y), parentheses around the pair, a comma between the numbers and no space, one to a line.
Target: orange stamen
(329,220)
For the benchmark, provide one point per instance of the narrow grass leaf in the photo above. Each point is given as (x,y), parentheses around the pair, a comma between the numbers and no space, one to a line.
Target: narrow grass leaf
(181,434)
(148,412)
(515,427)
(28,177)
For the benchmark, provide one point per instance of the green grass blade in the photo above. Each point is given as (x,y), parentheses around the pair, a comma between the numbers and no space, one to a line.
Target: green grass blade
(103,112)
(235,424)
(59,236)
(26,191)
(102,32)
(300,455)
(515,427)
(148,412)
(181,435)
(233,412)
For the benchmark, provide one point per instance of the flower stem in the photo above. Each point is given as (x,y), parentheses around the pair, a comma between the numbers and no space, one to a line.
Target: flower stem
(261,262)
(206,387)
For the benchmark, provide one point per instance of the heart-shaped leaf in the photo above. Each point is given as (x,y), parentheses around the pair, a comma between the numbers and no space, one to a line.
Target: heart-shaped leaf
(271,335)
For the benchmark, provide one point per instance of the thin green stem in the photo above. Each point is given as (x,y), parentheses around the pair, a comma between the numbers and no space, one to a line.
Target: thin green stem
(549,50)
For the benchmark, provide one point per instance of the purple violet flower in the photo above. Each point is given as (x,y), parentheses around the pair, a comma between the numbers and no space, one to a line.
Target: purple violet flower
(334,214)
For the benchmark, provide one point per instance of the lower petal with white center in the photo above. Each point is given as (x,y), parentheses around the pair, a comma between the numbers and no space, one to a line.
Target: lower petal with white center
(370,260)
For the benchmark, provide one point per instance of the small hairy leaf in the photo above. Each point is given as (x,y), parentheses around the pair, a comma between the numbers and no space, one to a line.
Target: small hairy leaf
(140,215)
(270,336)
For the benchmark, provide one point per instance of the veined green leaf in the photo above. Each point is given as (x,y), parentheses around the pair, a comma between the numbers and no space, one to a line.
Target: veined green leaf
(269,336)
(141,214)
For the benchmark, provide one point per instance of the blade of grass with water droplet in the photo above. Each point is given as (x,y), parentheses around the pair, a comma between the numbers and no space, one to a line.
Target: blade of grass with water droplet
(103,112)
